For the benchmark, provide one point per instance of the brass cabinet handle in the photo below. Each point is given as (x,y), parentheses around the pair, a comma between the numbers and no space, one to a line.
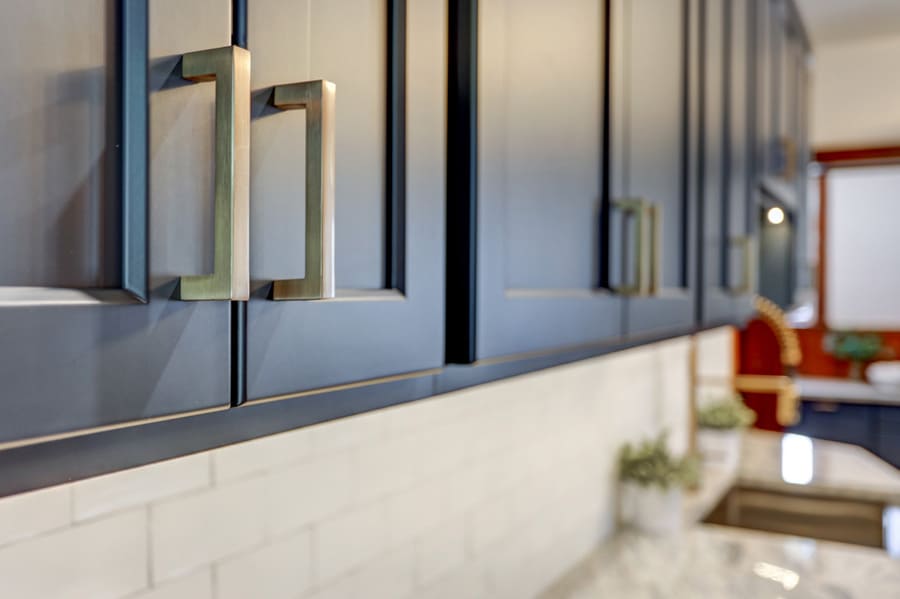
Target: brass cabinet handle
(318,98)
(747,245)
(229,67)
(646,246)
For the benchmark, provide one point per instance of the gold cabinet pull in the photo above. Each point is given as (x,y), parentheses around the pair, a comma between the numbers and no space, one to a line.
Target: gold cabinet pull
(229,67)
(747,245)
(318,98)
(646,246)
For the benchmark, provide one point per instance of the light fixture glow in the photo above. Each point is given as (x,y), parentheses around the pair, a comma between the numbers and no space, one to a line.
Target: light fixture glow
(775,215)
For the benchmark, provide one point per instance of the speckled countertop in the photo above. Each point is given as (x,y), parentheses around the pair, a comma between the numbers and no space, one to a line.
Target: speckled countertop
(814,467)
(717,562)
(713,562)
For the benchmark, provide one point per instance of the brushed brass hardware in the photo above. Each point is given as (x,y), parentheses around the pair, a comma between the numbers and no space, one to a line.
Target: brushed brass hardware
(788,341)
(646,246)
(229,67)
(317,98)
(788,397)
(747,245)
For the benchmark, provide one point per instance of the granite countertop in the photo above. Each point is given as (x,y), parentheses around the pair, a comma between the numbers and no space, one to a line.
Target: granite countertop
(843,391)
(815,467)
(715,562)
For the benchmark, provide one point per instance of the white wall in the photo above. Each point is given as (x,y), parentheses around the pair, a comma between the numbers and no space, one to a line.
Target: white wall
(856,93)
(490,492)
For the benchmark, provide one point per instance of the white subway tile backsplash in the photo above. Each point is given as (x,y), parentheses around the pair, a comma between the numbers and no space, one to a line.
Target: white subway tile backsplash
(715,353)
(348,540)
(348,433)
(440,550)
(389,576)
(196,585)
(484,493)
(137,486)
(266,454)
(279,570)
(26,515)
(302,494)
(385,467)
(195,530)
(106,558)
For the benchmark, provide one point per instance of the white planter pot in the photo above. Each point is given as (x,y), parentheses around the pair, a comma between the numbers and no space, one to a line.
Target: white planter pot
(721,447)
(651,509)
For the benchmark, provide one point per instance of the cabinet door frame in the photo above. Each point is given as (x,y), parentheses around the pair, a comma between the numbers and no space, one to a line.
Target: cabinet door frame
(673,308)
(127,160)
(130,354)
(384,322)
(721,301)
(486,320)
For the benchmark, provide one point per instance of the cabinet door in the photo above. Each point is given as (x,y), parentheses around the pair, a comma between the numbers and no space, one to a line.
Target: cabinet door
(387,61)
(653,154)
(728,245)
(533,73)
(80,349)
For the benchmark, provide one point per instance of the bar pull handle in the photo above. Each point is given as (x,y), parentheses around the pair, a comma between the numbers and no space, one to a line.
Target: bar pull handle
(229,67)
(646,247)
(318,99)
(747,245)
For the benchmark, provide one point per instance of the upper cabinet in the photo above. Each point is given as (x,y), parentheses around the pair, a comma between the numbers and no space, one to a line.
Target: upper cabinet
(782,96)
(728,193)
(364,144)
(528,221)
(653,162)
(92,330)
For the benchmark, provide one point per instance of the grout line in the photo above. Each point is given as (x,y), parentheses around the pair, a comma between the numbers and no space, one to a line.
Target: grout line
(148,522)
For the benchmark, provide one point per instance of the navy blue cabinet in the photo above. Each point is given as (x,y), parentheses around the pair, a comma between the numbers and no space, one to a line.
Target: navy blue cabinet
(728,190)
(528,230)
(107,200)
(386,319)
(873,427)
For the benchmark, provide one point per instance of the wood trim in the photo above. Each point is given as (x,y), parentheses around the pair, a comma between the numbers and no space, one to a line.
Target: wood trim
(820,267)
(841,158)
(858,156)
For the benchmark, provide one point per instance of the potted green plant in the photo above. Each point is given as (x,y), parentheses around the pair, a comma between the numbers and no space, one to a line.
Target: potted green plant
(652,484)
(721,426)
(856,348)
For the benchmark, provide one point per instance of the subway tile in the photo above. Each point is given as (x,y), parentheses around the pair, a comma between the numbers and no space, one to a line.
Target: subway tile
(129,488)
(440,550)
(388,576)
(279,570)
(104,558)
(303,494)
(440,449)
(199,529)
(347,433)
(265,454)
(715,353)
(196,585)
(412,512)
(385,467)
(467,581)
(348,540)
(29,514)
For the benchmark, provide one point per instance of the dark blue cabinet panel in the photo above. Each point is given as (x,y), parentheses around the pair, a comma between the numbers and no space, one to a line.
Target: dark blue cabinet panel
(80,347)
(388,65)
